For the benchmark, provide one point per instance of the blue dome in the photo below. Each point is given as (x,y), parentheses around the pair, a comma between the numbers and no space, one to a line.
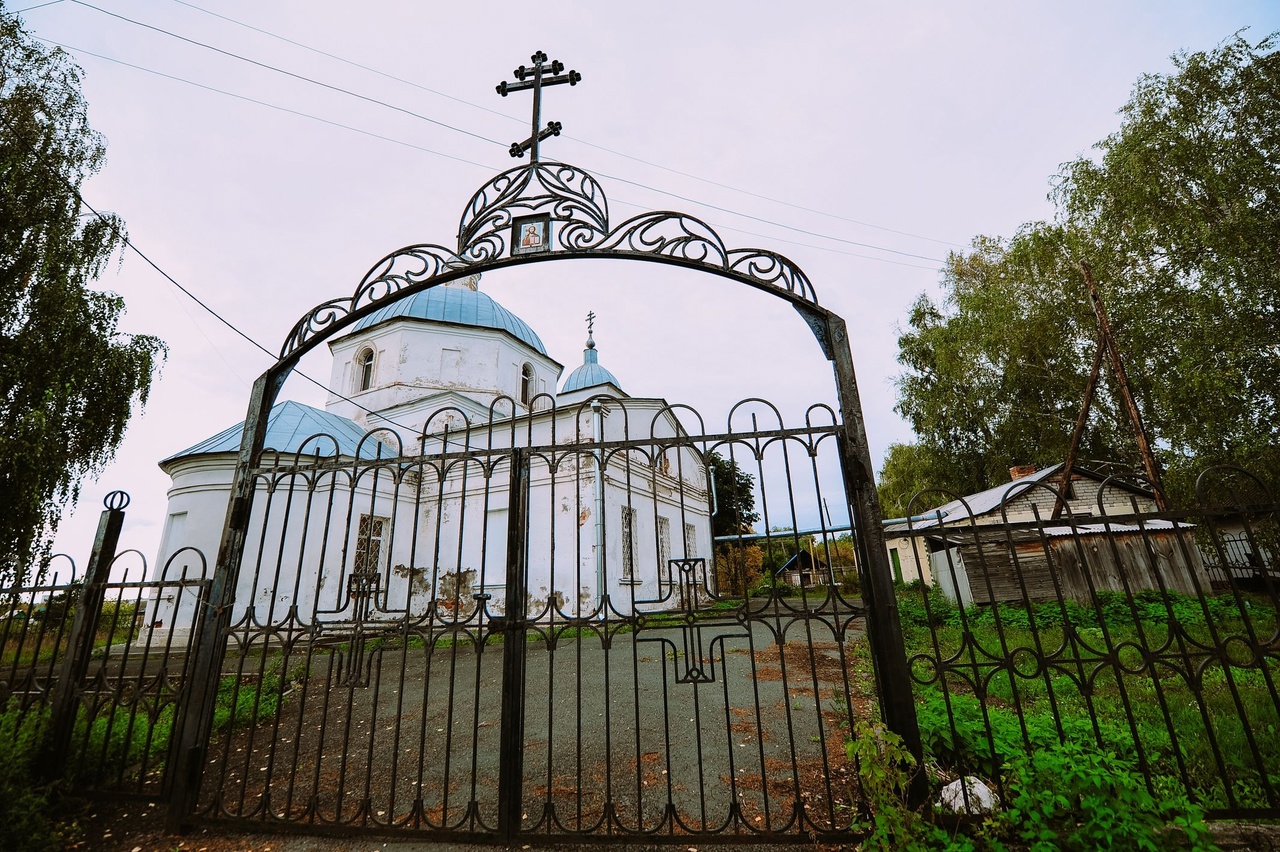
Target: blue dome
(459,305)
(590,373)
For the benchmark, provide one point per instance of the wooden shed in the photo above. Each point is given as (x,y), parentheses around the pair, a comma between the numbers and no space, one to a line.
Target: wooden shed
(988,565)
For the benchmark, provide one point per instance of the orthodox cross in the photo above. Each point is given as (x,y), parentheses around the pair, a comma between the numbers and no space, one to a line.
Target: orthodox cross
(591,322)
(536,78)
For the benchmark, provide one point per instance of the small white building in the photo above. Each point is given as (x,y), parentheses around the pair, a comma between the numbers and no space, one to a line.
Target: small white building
(400,485)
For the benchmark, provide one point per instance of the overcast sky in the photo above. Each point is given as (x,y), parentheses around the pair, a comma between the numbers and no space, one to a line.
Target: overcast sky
(865,141)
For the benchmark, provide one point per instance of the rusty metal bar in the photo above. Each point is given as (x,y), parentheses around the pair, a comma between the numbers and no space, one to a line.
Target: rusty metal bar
(195,718)
(514,628)
(83,628)
(884,631)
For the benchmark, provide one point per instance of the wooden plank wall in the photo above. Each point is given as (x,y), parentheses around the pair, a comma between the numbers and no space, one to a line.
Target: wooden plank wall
(1021,570)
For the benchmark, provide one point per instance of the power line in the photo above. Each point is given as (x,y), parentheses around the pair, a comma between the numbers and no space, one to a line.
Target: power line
(37,6)
(771,222)
(292,74)
(267,104)
(495,142)
(345,61)
(599,147)
(111,223)
(424,149)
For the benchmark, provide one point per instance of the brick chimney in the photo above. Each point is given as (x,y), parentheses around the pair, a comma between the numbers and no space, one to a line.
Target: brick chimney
(1020,471)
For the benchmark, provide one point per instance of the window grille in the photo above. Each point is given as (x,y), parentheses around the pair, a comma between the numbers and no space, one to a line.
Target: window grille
(368,557)
(628,542)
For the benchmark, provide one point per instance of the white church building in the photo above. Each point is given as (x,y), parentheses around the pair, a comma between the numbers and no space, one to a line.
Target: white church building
(392,502)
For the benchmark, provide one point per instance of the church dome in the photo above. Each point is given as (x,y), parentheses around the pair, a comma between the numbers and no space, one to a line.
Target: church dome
(590,374)
(457,304)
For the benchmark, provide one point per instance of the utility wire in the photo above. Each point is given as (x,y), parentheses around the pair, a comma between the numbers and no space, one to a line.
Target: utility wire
(494,141)
(416,147)
(345,61)
(512,118)
(267,104)
(37,6)
(111,223)
(771,222)
(295,76)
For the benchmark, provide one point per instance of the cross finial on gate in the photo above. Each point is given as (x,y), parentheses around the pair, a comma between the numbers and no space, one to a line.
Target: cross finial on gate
(536,78)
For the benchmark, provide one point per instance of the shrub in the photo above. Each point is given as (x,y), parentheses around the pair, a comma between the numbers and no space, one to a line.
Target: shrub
(25,825)
(1069,797)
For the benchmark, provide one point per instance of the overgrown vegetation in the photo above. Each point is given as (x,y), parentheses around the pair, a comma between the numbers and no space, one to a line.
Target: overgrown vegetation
(1063,796)
(25,824)
(114,745)
(1030,679)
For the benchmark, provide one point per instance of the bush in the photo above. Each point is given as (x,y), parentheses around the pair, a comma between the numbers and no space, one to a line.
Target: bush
(922,607)
(1069,797)
(1064,796)
(25,825)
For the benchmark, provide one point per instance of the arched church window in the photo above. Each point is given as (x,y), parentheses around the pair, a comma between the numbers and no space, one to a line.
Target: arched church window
(364,370)
(527,386)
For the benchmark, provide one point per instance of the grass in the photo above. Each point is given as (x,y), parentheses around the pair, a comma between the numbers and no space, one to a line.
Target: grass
(1150,679)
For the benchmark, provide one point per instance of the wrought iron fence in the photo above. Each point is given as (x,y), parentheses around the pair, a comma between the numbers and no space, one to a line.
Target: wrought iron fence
(1150,635)
(86,672)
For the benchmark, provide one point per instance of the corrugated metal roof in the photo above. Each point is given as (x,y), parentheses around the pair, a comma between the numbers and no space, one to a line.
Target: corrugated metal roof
(459,306)
(590,374)
(990,500)
(288,425)
(978,504)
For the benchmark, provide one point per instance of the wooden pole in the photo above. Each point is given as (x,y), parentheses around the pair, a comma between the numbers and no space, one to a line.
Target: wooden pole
(1126,392)
(1078,431)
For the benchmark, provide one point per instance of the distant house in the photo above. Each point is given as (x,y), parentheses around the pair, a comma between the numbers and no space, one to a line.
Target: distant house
(1003,544)
(804,570)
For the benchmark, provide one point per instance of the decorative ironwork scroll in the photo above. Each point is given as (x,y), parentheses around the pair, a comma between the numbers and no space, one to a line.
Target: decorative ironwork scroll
(572,213)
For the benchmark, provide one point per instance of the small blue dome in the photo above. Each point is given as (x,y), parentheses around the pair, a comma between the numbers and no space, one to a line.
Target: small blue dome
(590,373)
(459,305)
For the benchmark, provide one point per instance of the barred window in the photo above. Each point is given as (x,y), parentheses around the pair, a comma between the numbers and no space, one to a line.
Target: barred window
(368,557)
(690,541)
(628,543)
(664,546)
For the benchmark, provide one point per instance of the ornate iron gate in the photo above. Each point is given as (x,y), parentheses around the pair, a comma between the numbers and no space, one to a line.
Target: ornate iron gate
(423,646)
(322,685)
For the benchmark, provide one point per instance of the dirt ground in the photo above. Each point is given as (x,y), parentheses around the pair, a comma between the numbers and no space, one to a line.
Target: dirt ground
(138,827)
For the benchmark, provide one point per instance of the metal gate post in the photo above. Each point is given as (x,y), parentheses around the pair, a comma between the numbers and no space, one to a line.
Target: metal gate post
(511,747)
(83,628)
(195,718)
(884,631)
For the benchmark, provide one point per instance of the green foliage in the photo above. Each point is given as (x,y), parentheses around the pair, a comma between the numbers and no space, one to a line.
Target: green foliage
(1070,797)
(922,607)
(246,701)
(68,377)
(954,732)
(1062,796)
(25,825)
(1178,214)
(118,739)
(735,497)
(885,771)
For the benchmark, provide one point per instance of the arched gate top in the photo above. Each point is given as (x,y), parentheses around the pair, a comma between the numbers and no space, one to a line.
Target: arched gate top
(553,211)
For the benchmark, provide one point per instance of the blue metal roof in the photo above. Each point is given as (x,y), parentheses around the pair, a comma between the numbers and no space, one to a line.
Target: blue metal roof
(288,425)
(590,373)
(457,305)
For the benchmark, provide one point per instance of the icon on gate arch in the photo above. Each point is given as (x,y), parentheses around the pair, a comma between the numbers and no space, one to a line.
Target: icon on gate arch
(530,234)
